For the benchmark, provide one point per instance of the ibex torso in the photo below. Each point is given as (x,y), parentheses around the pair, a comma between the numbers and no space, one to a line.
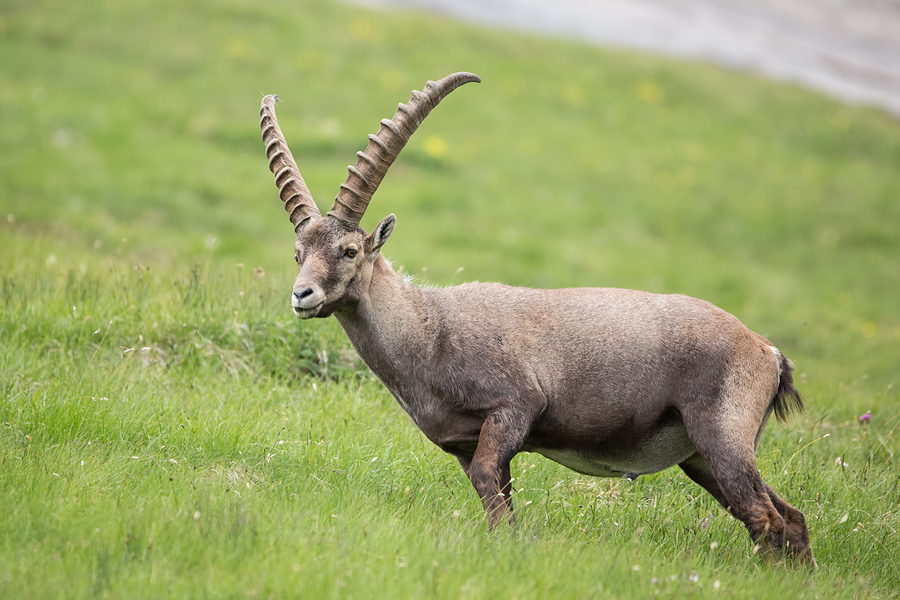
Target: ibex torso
(607,370)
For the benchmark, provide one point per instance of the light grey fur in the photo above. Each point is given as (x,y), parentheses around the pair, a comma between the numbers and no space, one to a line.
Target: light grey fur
(609,382)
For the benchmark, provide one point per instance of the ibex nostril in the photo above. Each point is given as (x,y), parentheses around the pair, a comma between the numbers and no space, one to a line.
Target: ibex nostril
(303,293)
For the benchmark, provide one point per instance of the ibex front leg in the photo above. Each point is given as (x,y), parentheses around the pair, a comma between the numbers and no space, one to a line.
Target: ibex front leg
(500,440)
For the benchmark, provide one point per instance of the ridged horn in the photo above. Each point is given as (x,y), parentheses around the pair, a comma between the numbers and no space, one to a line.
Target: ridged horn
(298,201)
(385,146)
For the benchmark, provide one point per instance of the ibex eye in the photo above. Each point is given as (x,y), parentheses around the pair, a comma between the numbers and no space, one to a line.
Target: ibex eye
(297,259)
(350,253)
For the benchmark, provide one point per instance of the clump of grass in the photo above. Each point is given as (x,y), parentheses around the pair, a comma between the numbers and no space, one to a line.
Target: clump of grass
(179,322)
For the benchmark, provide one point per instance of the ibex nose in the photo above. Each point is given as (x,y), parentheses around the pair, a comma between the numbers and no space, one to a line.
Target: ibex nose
(301,294)
(307,298)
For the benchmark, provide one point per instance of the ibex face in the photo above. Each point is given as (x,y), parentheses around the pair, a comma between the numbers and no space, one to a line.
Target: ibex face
(335,265)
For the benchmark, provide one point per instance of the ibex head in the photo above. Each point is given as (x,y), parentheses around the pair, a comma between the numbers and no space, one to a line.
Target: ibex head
(335,255)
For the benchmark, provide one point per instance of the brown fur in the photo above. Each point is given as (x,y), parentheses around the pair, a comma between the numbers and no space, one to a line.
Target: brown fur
(608,382)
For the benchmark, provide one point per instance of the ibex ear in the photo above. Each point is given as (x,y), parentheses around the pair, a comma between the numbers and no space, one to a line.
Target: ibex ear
(377,238)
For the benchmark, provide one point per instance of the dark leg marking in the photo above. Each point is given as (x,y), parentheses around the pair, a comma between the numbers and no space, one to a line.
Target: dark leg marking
(489,470)
(731,476)
(698,470)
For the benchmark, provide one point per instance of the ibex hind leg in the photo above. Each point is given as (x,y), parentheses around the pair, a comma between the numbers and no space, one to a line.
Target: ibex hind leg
(796,535)
(726,468)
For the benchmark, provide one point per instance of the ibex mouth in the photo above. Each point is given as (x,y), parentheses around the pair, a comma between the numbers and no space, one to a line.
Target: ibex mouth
(308,313)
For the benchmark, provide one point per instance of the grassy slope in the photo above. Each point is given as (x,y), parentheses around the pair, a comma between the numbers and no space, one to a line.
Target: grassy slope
(268,461)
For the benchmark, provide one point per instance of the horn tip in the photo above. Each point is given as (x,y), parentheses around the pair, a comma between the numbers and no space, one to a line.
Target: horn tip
(466,77)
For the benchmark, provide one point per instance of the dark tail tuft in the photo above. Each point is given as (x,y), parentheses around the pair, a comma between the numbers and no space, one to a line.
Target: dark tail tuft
(787,399)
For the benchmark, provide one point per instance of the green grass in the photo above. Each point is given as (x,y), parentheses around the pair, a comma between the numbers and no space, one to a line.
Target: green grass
(168,429)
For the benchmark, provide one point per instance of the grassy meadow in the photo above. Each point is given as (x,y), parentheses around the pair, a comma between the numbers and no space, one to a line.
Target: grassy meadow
(168,429)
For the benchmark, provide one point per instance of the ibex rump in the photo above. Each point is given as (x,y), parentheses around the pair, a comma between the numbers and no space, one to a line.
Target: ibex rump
(608,382)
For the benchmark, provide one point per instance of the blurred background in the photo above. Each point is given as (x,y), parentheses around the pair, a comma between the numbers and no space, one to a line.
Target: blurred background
(130,131)
(846,48)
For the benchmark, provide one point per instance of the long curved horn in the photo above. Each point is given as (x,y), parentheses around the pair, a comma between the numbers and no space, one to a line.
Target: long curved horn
(372,165)
(298,201)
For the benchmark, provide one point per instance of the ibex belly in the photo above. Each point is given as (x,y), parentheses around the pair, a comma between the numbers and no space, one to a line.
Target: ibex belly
(667,447)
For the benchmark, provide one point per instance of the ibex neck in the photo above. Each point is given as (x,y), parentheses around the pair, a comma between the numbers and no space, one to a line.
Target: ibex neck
(387,326)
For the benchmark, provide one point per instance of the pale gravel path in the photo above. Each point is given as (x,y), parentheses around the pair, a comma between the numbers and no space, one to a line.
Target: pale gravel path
(849,49)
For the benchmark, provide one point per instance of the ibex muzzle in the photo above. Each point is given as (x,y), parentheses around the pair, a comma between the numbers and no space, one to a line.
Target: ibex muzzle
(609,382)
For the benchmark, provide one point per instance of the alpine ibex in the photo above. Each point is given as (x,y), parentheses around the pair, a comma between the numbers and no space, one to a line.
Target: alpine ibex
(608,382)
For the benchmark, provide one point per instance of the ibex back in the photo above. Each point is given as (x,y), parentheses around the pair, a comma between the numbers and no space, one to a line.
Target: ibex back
(608,382)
